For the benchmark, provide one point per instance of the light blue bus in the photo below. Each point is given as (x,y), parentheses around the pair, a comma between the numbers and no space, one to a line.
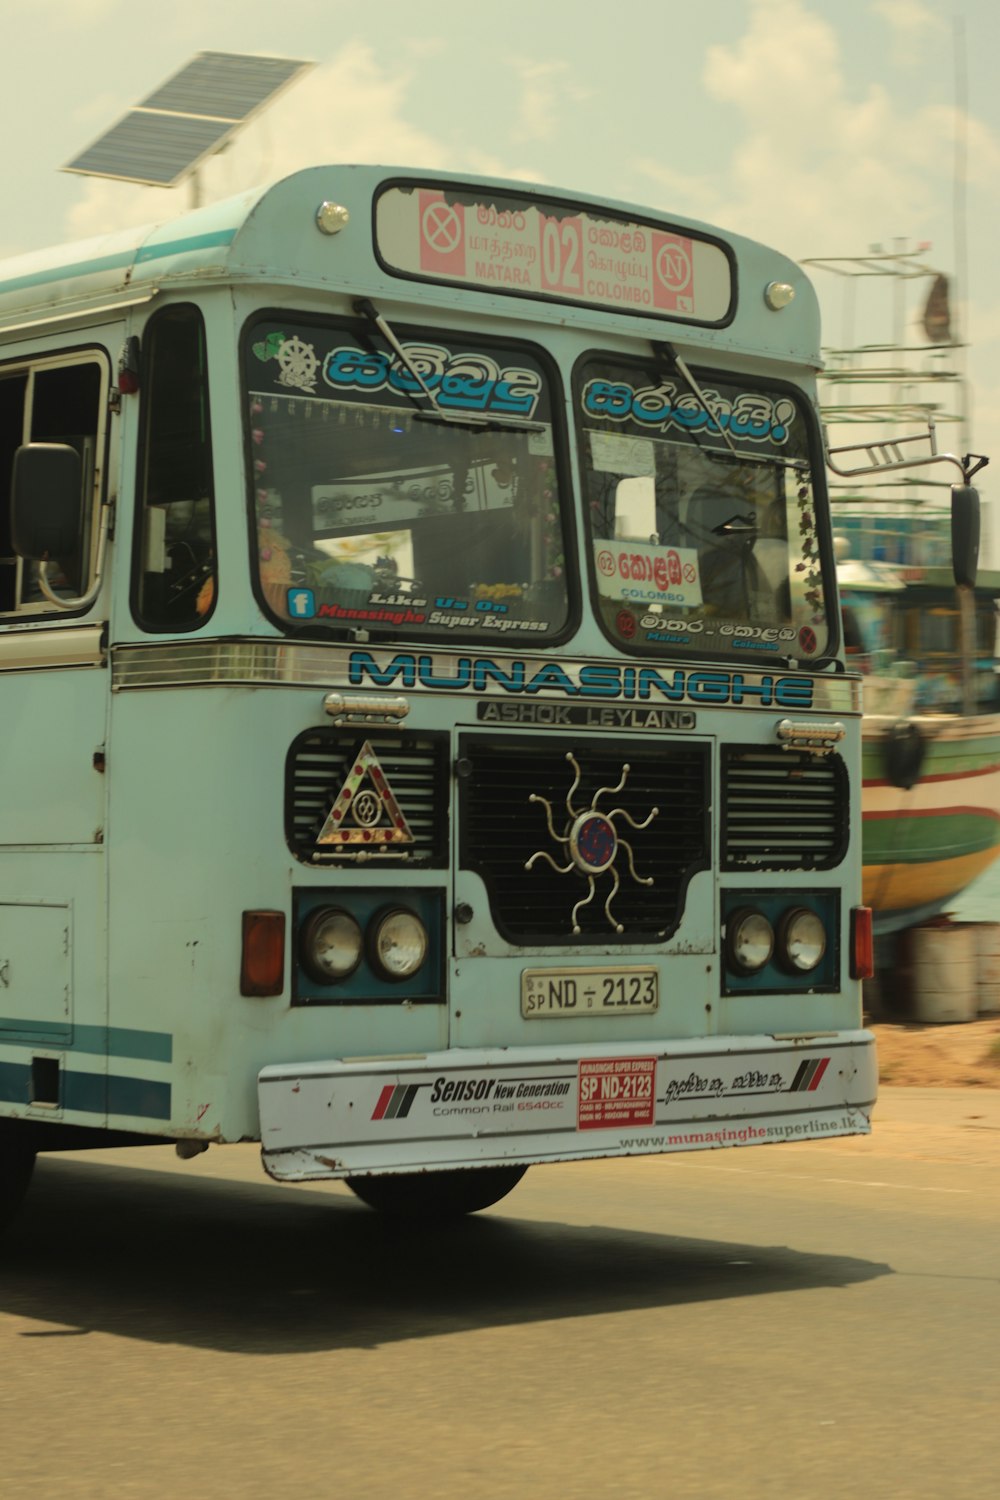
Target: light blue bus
(427,745)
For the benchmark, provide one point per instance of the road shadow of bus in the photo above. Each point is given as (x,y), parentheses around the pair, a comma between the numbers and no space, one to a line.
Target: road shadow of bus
(252,1268)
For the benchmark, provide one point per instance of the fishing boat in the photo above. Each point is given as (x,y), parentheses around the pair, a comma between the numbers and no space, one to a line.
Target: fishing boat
(931,693)
(931,771)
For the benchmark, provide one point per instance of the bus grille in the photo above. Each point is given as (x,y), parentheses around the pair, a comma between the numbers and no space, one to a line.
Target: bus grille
(782,809)
(501,829)
(415,767)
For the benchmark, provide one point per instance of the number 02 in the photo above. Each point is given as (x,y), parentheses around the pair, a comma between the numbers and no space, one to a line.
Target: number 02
(561,254)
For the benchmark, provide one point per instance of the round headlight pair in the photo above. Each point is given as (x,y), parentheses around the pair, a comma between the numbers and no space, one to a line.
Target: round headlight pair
(332,944)
(800,941)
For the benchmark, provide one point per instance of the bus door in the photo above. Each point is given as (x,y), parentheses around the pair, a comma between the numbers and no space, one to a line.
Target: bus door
(54,697)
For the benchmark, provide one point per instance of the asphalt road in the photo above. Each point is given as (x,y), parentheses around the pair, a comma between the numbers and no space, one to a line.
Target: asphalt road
(811,1320)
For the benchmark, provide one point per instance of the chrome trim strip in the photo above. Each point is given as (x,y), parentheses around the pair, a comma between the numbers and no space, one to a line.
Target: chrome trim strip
(468,674)
(51,648)
(77,312)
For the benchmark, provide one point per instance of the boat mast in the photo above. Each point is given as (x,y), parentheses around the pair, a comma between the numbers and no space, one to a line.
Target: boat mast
(966,600)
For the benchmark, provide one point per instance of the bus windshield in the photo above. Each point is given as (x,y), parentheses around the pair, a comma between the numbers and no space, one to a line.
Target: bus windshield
(421,500)
(696,542)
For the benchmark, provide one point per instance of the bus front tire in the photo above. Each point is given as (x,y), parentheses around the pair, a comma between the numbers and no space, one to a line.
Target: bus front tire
(17,1163)
(437,1195)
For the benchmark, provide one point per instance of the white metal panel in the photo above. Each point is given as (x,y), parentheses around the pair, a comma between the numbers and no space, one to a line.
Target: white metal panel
(465,1108)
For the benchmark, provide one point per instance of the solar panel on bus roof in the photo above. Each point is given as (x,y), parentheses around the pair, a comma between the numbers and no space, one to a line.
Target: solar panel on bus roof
(154,149)
(187,118)
(226,85)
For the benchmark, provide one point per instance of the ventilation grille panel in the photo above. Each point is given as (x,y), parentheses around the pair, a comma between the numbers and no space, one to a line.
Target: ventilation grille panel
(502,828)
(415,770)
(782,809)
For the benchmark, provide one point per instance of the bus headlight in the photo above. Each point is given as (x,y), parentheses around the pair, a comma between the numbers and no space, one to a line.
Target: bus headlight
(749,940)
(330,945)
(801,940)
(397,943)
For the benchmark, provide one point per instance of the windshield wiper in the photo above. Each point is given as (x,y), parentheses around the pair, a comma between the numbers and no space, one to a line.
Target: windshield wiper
(367,309)
(323,630)
(737,526)
(669,353)
(472,423)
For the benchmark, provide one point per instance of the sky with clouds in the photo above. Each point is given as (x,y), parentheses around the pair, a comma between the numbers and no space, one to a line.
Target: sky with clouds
(823,127)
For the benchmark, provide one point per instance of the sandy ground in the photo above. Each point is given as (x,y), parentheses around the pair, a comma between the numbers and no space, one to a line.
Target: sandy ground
(954,1056)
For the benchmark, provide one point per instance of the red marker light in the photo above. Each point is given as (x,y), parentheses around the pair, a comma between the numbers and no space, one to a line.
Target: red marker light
(862,943)
(262,970)
(128,367)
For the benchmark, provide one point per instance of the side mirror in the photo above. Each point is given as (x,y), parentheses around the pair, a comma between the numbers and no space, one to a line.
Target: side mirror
(965,534)
(46,513)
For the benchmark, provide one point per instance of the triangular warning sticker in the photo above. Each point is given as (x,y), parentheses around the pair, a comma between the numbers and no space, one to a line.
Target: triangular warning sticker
(365,816)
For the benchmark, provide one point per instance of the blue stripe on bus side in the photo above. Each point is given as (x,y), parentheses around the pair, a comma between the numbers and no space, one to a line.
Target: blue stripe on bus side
(87,1092)
(68,273)
(180,247)
(122,260)
(105,1041)
(137,1096)
(15,1081)
(151,1046)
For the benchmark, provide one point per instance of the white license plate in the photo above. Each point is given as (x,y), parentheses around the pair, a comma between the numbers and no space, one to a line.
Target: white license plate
(549,993)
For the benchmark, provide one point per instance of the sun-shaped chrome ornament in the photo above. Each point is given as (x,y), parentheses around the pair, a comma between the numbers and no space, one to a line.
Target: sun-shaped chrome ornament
(592,842)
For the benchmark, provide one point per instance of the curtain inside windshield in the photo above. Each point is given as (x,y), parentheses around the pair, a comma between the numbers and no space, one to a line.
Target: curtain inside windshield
(691,543)
(379,508)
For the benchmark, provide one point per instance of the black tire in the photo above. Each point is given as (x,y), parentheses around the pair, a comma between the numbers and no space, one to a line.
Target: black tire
(437,1195)
(905,749)
(17,1162)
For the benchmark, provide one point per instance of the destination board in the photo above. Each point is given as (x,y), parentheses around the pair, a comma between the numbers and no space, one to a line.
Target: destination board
(499,242)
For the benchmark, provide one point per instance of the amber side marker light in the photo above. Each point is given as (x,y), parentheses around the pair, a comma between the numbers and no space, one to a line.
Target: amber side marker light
(262,971)
(862,943)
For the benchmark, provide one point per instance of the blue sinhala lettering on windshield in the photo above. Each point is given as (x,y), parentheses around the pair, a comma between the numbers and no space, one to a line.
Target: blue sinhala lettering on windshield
(483,675)
(750,416)
(463,381)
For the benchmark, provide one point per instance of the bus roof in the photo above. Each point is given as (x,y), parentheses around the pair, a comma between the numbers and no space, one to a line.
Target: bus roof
(270,234)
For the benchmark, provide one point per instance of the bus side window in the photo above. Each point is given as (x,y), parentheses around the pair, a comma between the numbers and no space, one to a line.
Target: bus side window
(175,570)
(53,403)
(65,408)
(12,394)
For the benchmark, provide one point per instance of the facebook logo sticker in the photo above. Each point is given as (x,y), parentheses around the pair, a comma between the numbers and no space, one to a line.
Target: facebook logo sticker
(301,604)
